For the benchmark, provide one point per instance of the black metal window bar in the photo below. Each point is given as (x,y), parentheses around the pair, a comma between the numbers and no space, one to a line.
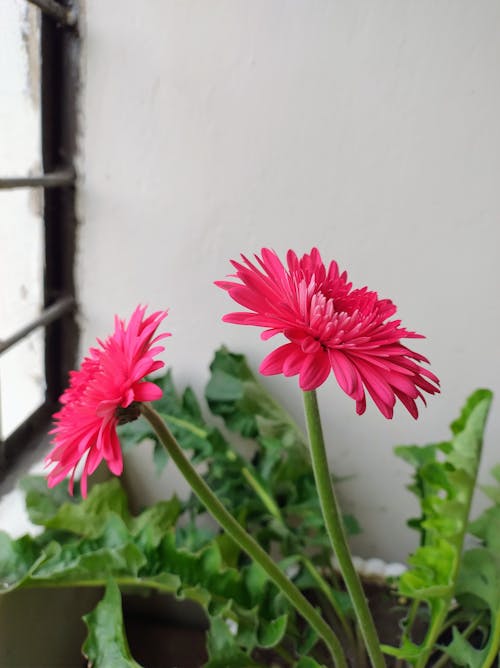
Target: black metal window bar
(59,52)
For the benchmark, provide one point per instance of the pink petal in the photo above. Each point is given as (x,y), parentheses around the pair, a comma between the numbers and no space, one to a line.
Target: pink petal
(315,370)
(274,362)
(346,374)
(317,309)
(110,376)
(147,391)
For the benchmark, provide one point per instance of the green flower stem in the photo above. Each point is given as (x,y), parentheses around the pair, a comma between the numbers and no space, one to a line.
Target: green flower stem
(327,592)
(334,526)
(274,510)
(240,536)
(188,426)
(266,499)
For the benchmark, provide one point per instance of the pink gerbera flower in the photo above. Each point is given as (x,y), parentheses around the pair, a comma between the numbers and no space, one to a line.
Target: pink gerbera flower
(330,327)
(102,394)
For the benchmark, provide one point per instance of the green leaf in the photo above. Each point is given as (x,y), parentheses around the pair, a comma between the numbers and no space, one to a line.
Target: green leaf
(462,653)
(234,393)
(271,632)
(43,503)
(479,399)
(480,577)
(307,662)
(20,558)
(309,640)
(444,481)
(420,455)
(106,644)
(87,517)
(91,561)
(152,525)
(408,650)
(222,648)
(487,527)
(431,572)
(493,491)
(160,457)
(277,501)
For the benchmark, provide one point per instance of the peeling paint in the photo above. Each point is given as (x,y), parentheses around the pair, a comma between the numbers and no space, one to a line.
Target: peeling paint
(30,32)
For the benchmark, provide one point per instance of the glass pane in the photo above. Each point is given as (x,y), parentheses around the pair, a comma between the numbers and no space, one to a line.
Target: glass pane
(19,88)
(22,385)
(22,258)
(22,382)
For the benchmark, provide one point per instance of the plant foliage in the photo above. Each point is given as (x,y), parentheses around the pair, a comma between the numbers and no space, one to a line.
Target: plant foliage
(444,482)
(97,541)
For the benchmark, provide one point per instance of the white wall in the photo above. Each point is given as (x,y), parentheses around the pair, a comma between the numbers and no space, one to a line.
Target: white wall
(369,129)
(21,229)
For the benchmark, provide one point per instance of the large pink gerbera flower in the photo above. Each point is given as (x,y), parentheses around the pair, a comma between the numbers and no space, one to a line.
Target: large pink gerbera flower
(329,326)
(102,394)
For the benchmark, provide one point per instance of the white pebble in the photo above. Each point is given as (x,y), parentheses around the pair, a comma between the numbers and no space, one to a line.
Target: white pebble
(394,570)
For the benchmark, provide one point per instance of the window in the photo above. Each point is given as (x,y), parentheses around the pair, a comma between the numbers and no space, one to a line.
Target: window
(38,332)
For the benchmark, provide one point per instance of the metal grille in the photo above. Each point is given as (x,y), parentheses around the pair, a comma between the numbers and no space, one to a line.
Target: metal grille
(59,53)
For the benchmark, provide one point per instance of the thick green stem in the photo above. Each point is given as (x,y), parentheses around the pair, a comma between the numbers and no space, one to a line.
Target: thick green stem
(240,536)
(335,529)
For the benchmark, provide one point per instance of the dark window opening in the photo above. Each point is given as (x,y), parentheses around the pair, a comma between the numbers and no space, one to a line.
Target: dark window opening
(58,65)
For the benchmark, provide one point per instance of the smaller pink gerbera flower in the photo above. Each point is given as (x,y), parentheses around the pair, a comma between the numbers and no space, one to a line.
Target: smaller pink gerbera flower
(329,327)
(102,394)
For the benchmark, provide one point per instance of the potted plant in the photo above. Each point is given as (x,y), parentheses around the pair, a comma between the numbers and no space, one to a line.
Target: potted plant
(304,606)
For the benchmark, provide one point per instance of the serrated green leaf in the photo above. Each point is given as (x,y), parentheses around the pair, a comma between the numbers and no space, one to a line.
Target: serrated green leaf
(307,662)
(191,405)
(20,558)
(150,526)
(41,502)
(308,642)
(481,397)
(431,572)
(230,550)
(271,632)
(463,653)
(234,393)
(444,481)
(420,455)
(135,432)
(160,458)
(88,517)
(106,644)
(409,651)
(93,561)
(487,528)
(101,539)
(222,648)
(480,577)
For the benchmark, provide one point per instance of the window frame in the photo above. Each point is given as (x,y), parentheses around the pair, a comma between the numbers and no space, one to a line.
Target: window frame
(59,54)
